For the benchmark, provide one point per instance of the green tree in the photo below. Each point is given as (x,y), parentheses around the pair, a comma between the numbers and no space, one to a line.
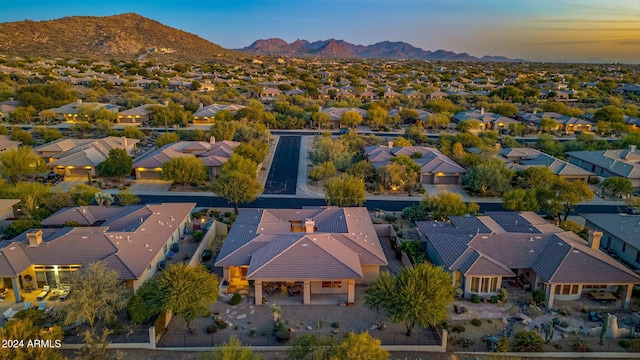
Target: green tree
(25,331)
(447,204)
(133,132)
(223,129)
(167,138)
(241,164)
(538,177)
(15,164)
(184,170)
(83,195)
(311,347)
(418,295)
(548,124)
(438,120)
(255,150)
(618,185)
(24,136)
(467,125)
(322,171)
(328,149)
(186,291)
(518,129)
(508,142)
(377,116)
(505,109)
(520,200)
(401,141)
(103,199)
(562,197)
(95,346)
(395,175)
(57,200)
(350,119)
(232,350)
(48,134)
(360,346)
(126,197)
(344,190)
(363,169)
(98,295)
(415,134)
(144,303)
(487,178)
(609,113)
(19,226)
(237,188)
(118,163)
(321,119)
(23,114)
(529,341)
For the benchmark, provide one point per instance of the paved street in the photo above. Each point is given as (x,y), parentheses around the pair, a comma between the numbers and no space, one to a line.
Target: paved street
(283,175)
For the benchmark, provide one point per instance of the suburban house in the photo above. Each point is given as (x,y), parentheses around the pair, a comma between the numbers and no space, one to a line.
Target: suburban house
(422,115)
(78,157)
(487,120)
(521,159)
(6,143)
(6,208)
(610,163)
(621,236)
(69,112)
(7,107)
(336,113)
(564,123)
(435,167)
(269,94)
(482,252)
(317,251)
(206,114)
(137,115)
(628,89)
(213,154)
(131,240)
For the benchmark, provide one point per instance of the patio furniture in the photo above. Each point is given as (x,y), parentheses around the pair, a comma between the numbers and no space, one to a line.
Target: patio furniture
(271,288)
(65,293)
(3,293)
(48,310)
(594,317)
(295,290)
(43,293)
(602,296)
(43,305)
(27,305)
(9,313)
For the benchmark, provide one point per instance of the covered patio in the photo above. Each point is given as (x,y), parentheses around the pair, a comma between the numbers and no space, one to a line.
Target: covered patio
(306,292)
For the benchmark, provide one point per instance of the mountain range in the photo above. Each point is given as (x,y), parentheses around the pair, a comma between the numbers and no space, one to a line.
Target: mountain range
(131,36)
(342,49)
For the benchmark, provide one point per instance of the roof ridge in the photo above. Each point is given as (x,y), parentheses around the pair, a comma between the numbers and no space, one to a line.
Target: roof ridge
(280,253)
(330,253)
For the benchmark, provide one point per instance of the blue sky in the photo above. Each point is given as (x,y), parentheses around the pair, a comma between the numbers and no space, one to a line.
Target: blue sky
(531,29)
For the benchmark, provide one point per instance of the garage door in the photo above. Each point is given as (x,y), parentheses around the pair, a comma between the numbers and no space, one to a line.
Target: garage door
(78,172)
(149,175)
(447,180)
(426,178)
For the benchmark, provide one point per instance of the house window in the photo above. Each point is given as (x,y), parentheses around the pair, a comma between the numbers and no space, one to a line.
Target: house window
(484,285)
(590,286)
(608,242)
(638,257)
(624,247)
(331,284)
(567,290)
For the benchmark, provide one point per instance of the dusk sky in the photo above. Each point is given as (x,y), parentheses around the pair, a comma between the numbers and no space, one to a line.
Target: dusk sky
(530,29)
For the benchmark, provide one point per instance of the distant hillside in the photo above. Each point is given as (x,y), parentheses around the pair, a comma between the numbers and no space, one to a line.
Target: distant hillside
(126,36)
(343,49)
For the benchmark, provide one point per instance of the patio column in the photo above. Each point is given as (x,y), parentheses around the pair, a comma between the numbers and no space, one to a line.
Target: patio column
(258,291)
(306,292)
(16,289)
(351,292)
(550,294)
(627,296)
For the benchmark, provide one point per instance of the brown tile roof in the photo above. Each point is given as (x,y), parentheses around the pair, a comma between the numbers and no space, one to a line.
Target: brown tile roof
(265,233)
(128,240)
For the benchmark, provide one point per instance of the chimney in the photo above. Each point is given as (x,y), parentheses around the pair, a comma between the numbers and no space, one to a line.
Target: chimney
(498,146)
(212,140)
(632,148)
(390,144)
(34,237)
(309,225)
(535,111)
(201,105)
(124,142)
(166,103)
(594,239)
(79,101)
(481,111)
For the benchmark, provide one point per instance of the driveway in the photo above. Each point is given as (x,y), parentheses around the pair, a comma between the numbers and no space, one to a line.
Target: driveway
(69,182)
(150,186)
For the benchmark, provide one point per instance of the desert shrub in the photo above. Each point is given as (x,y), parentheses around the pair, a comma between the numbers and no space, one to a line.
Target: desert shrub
(564,312)
(458,329)
(235,299)
(564,324)
(221,324)
(538,296)
(198,235)
(390,218)
(212,329)
(634,346)
(476,322)
(557,347)
(335,325)
(529,341)
(624,343)
(584,310)
(502,345)
(494,299)
(503,294)
(580,346)
(475,298)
